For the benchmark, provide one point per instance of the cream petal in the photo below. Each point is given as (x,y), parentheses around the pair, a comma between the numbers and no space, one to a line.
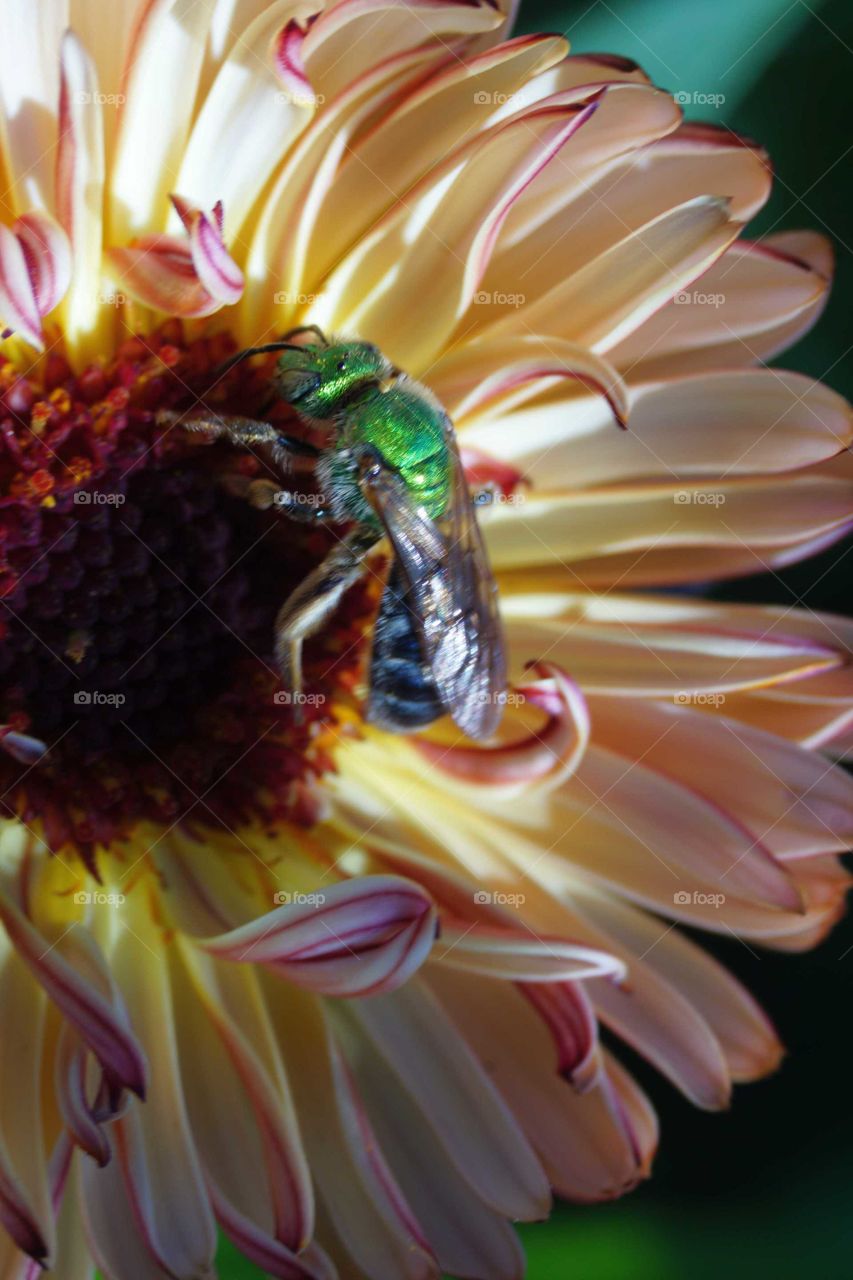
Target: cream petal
(480,383)
(264,1251)
(469,1238)
(362,1199)
(25,1201)
(746,1035)
(430,120)
(153,1144)
(607,298)
(72,1095)
(438,240)
(756,516)
(659,646)
(601,203)
(574,199)
(285,238)
(354,938)
(166,49)
(708,424)
(582,1140)
(466,1114)
(626,808)
(796,803)
(338,47)
(248,119)
(520,955)
(29,92)
(74,974)
(752,303)
(243,1122)
(80,195)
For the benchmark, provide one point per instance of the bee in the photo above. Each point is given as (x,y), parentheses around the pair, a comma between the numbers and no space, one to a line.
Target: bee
(392,473)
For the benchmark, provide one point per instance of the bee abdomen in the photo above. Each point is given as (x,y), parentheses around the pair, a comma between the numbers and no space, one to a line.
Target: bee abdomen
(402,694)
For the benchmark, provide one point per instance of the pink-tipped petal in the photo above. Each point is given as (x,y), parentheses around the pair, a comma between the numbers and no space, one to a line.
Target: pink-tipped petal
(215,267)
(545,756)
(358,937)
(521,955)
(74,975)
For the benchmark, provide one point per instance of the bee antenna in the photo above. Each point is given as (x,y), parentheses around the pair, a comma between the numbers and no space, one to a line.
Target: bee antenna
(222,369)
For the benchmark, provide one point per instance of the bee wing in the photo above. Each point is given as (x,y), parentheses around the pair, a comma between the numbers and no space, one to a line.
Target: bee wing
(481,681)
(452,594)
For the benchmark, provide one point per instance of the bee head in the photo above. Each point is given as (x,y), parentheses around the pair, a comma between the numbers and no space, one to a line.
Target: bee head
(318,380)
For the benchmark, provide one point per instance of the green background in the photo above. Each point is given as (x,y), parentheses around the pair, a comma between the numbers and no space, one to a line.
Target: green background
(764,1189)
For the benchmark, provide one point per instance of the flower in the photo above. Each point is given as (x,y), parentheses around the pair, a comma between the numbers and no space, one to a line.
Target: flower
(268,968)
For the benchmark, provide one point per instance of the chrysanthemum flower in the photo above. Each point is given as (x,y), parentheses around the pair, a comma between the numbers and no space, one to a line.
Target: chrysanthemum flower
(225,998)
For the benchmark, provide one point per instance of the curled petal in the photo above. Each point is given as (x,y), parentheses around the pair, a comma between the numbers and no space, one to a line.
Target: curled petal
(80,986)
(215,267)
(189,278)
(546,756)
(359,937)
(569,1016)
(35,268)
(521,956)
(77,1112)
(21,746)
(264,1250)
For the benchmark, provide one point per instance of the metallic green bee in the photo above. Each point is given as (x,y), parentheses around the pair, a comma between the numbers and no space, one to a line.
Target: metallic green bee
(391,470)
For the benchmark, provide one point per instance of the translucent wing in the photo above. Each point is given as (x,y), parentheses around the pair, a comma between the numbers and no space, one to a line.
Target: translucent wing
(451,593)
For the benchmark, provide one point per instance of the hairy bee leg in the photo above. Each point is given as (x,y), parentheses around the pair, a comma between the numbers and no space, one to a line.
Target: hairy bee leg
(245,431)
(316,599)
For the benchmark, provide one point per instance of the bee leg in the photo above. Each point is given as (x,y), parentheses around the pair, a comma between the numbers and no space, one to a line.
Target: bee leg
(315,600)
(244,431)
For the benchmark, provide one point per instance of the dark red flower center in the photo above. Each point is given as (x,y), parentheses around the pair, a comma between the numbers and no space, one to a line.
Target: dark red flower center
(138,605)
